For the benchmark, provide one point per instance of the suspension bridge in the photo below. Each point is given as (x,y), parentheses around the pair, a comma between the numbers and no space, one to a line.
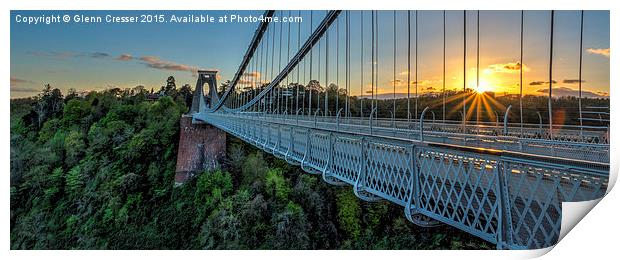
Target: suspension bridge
(499,173)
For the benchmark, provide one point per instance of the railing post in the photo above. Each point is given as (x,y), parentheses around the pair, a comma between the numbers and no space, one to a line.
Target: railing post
(464,124)
(504,225)
(291,143)
(413,186)
(539,122)
(362,170)
(422,124)
(330,156)
(307,149)
(315,113)
(370,119)
(297,116)
(279,139)
(496,120)
(338,120)
(409,125)
(506,120)
(433,122)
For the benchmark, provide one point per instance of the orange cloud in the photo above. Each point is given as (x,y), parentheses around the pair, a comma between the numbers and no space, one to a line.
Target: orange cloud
(124,57)
(403,83)
(252,74)
(511,67)
(565,91)
(603,52)
(157,63)
(17,81)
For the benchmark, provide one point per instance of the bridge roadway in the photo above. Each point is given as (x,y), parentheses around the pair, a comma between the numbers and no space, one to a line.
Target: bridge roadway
(480,184)
(482,136)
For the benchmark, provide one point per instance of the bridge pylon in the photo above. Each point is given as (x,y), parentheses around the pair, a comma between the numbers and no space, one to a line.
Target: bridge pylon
(201,101)
(201,145)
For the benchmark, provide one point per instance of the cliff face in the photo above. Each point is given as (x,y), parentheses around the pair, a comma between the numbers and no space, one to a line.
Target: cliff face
(201,146)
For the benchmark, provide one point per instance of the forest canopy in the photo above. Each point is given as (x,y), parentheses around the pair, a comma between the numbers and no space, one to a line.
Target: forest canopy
(96,170)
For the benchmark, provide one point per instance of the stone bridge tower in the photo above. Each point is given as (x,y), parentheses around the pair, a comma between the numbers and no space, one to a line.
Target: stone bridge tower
(201,145)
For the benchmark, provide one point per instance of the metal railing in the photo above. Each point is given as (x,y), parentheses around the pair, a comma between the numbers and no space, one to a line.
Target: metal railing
(509,198)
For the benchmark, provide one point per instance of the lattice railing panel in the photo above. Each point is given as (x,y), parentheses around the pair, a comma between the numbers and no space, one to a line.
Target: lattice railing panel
(388,171)
(346,156)
(536,192)
(285,141)
(318,151)
(459,188)
(298,150)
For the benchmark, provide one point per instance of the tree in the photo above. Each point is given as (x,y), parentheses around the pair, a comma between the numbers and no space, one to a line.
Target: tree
(276,185)
(223,87)
(349,212)
(71,94)
(74,147)
(186,93)
(48,103)
(291,228)
(76,112)
(170,84)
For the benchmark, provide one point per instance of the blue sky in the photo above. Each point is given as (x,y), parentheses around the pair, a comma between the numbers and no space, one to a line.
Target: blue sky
(85,56)
(99,56)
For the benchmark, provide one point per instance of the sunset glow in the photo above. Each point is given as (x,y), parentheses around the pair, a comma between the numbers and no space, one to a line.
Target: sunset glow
(65,64)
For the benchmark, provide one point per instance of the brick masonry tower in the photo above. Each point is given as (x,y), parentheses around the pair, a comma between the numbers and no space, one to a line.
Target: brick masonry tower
(201,145)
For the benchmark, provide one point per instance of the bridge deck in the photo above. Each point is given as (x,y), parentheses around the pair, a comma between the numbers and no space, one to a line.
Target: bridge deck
(557,148)
(511,199)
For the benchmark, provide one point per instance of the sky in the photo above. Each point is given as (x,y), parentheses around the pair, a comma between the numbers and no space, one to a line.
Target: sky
(100,56)
(103,55)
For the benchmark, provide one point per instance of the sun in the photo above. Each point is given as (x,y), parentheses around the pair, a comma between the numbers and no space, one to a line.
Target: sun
(483,87)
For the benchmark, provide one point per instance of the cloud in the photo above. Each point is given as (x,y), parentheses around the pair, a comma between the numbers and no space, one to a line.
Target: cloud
(538,83)
(16,86)
(603,52)
(17,81)
(150,61)
(68,54)
(250,78)
(53,54)
(403,83)
(511,67)
(565,91)
(572,81)
(124,57)
(98,55)
(157,63)
(251,74)
(25,90)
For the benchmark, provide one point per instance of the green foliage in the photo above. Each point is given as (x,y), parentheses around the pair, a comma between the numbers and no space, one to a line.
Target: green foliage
(76,112)
(291,228)
(96,172)
(49,130)
(74,147)
(349,212)
(212,188)
(74,180)
(254,168)
(276,186)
